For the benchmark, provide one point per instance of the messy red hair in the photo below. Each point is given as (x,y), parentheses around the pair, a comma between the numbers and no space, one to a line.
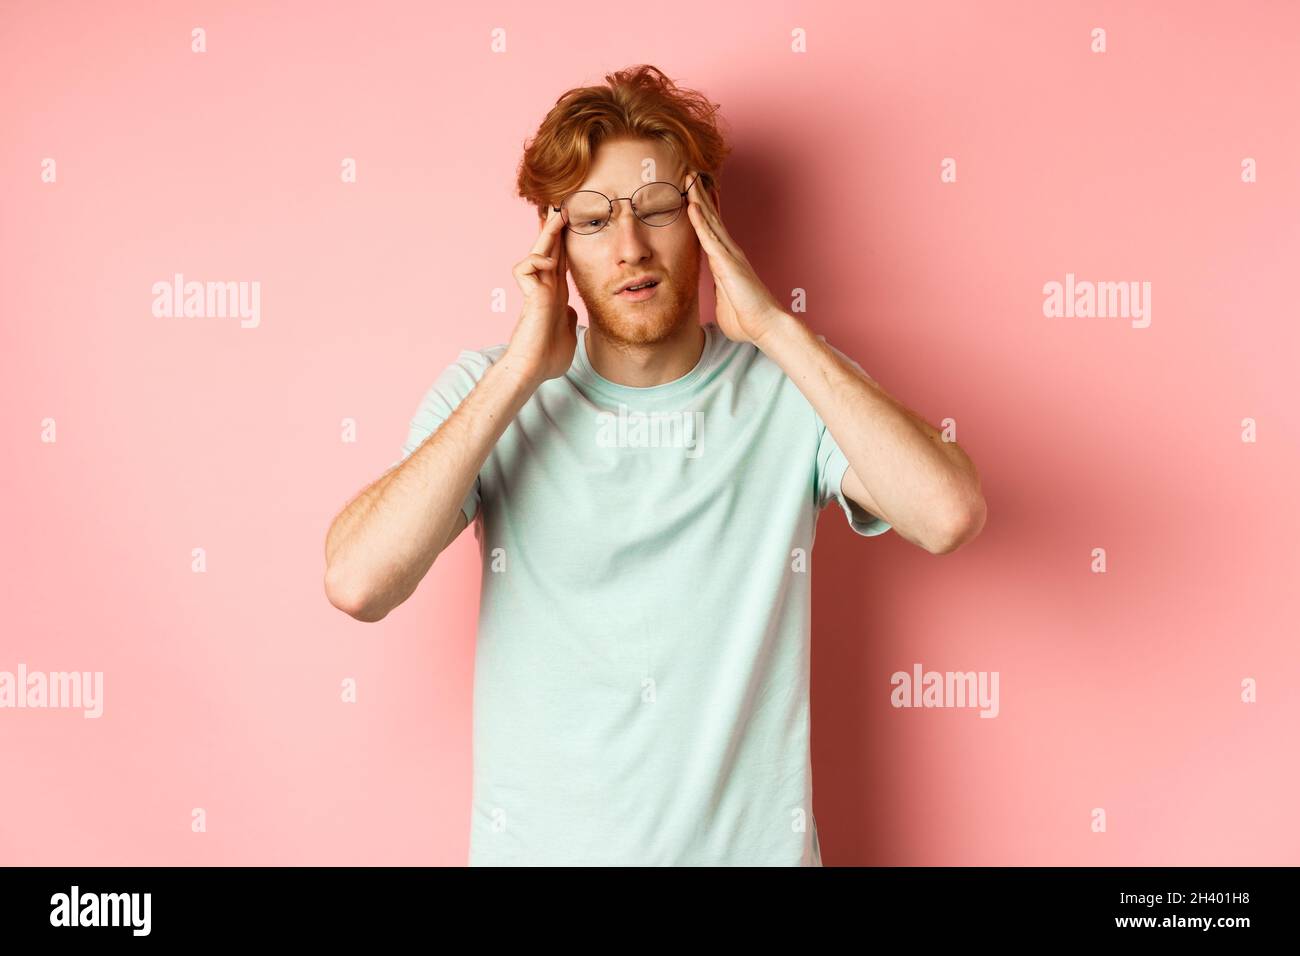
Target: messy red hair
(639,102)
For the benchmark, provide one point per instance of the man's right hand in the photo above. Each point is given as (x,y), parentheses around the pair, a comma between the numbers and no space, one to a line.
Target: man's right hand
(383,543)
(545,337)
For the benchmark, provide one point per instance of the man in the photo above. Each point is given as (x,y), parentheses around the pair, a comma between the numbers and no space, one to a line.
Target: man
(646,492)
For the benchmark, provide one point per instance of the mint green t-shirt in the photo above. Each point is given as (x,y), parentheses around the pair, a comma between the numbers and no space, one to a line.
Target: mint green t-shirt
(642,665)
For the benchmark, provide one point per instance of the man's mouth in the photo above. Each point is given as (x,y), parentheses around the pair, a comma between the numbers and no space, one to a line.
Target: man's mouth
(639,293)
(636,283)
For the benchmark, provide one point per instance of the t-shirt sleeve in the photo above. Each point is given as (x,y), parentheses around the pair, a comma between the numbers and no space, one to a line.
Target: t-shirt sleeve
(449,390)
(831,466)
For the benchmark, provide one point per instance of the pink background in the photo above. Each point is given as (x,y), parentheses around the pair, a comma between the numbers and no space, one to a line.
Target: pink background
(1118,690)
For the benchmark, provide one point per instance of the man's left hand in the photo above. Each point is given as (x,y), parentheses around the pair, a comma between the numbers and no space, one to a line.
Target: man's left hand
(745,309)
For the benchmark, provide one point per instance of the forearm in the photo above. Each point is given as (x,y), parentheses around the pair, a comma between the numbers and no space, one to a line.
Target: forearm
(381,546)
(921,483)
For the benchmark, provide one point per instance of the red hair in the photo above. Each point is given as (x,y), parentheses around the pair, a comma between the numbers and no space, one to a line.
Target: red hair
(638,102)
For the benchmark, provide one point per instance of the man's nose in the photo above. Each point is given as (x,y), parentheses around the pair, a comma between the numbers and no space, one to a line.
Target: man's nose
(627,227)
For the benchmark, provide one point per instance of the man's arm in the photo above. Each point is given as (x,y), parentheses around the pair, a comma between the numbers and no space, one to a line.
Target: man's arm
(383,543)
(900,468)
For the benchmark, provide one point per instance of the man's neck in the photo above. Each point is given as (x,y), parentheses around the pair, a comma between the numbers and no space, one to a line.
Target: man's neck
(644,366)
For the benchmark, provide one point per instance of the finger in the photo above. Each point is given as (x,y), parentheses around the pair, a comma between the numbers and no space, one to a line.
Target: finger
(701,190)
(709,239)
(550,229)
(530,269)
(699,194)
(701,199)
(562,269)
(700,222)
(721,288)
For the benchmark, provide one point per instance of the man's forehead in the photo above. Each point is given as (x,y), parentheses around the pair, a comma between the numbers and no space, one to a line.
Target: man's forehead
(631,175)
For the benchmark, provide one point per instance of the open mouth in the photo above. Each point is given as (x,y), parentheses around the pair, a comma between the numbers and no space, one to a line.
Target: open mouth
(638,292)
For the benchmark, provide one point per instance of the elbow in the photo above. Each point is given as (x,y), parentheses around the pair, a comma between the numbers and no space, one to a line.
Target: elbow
(963,524)
(349,596)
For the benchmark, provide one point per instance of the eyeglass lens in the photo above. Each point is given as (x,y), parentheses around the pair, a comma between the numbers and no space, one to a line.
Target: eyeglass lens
(656,204)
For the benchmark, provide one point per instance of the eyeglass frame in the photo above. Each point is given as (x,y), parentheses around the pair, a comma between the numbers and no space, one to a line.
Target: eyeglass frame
(610,218)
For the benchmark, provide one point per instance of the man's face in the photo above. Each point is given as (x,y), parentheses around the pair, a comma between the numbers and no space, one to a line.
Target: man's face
(627,248)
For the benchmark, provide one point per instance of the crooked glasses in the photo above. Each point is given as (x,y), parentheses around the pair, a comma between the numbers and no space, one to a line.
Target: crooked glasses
(586,211)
